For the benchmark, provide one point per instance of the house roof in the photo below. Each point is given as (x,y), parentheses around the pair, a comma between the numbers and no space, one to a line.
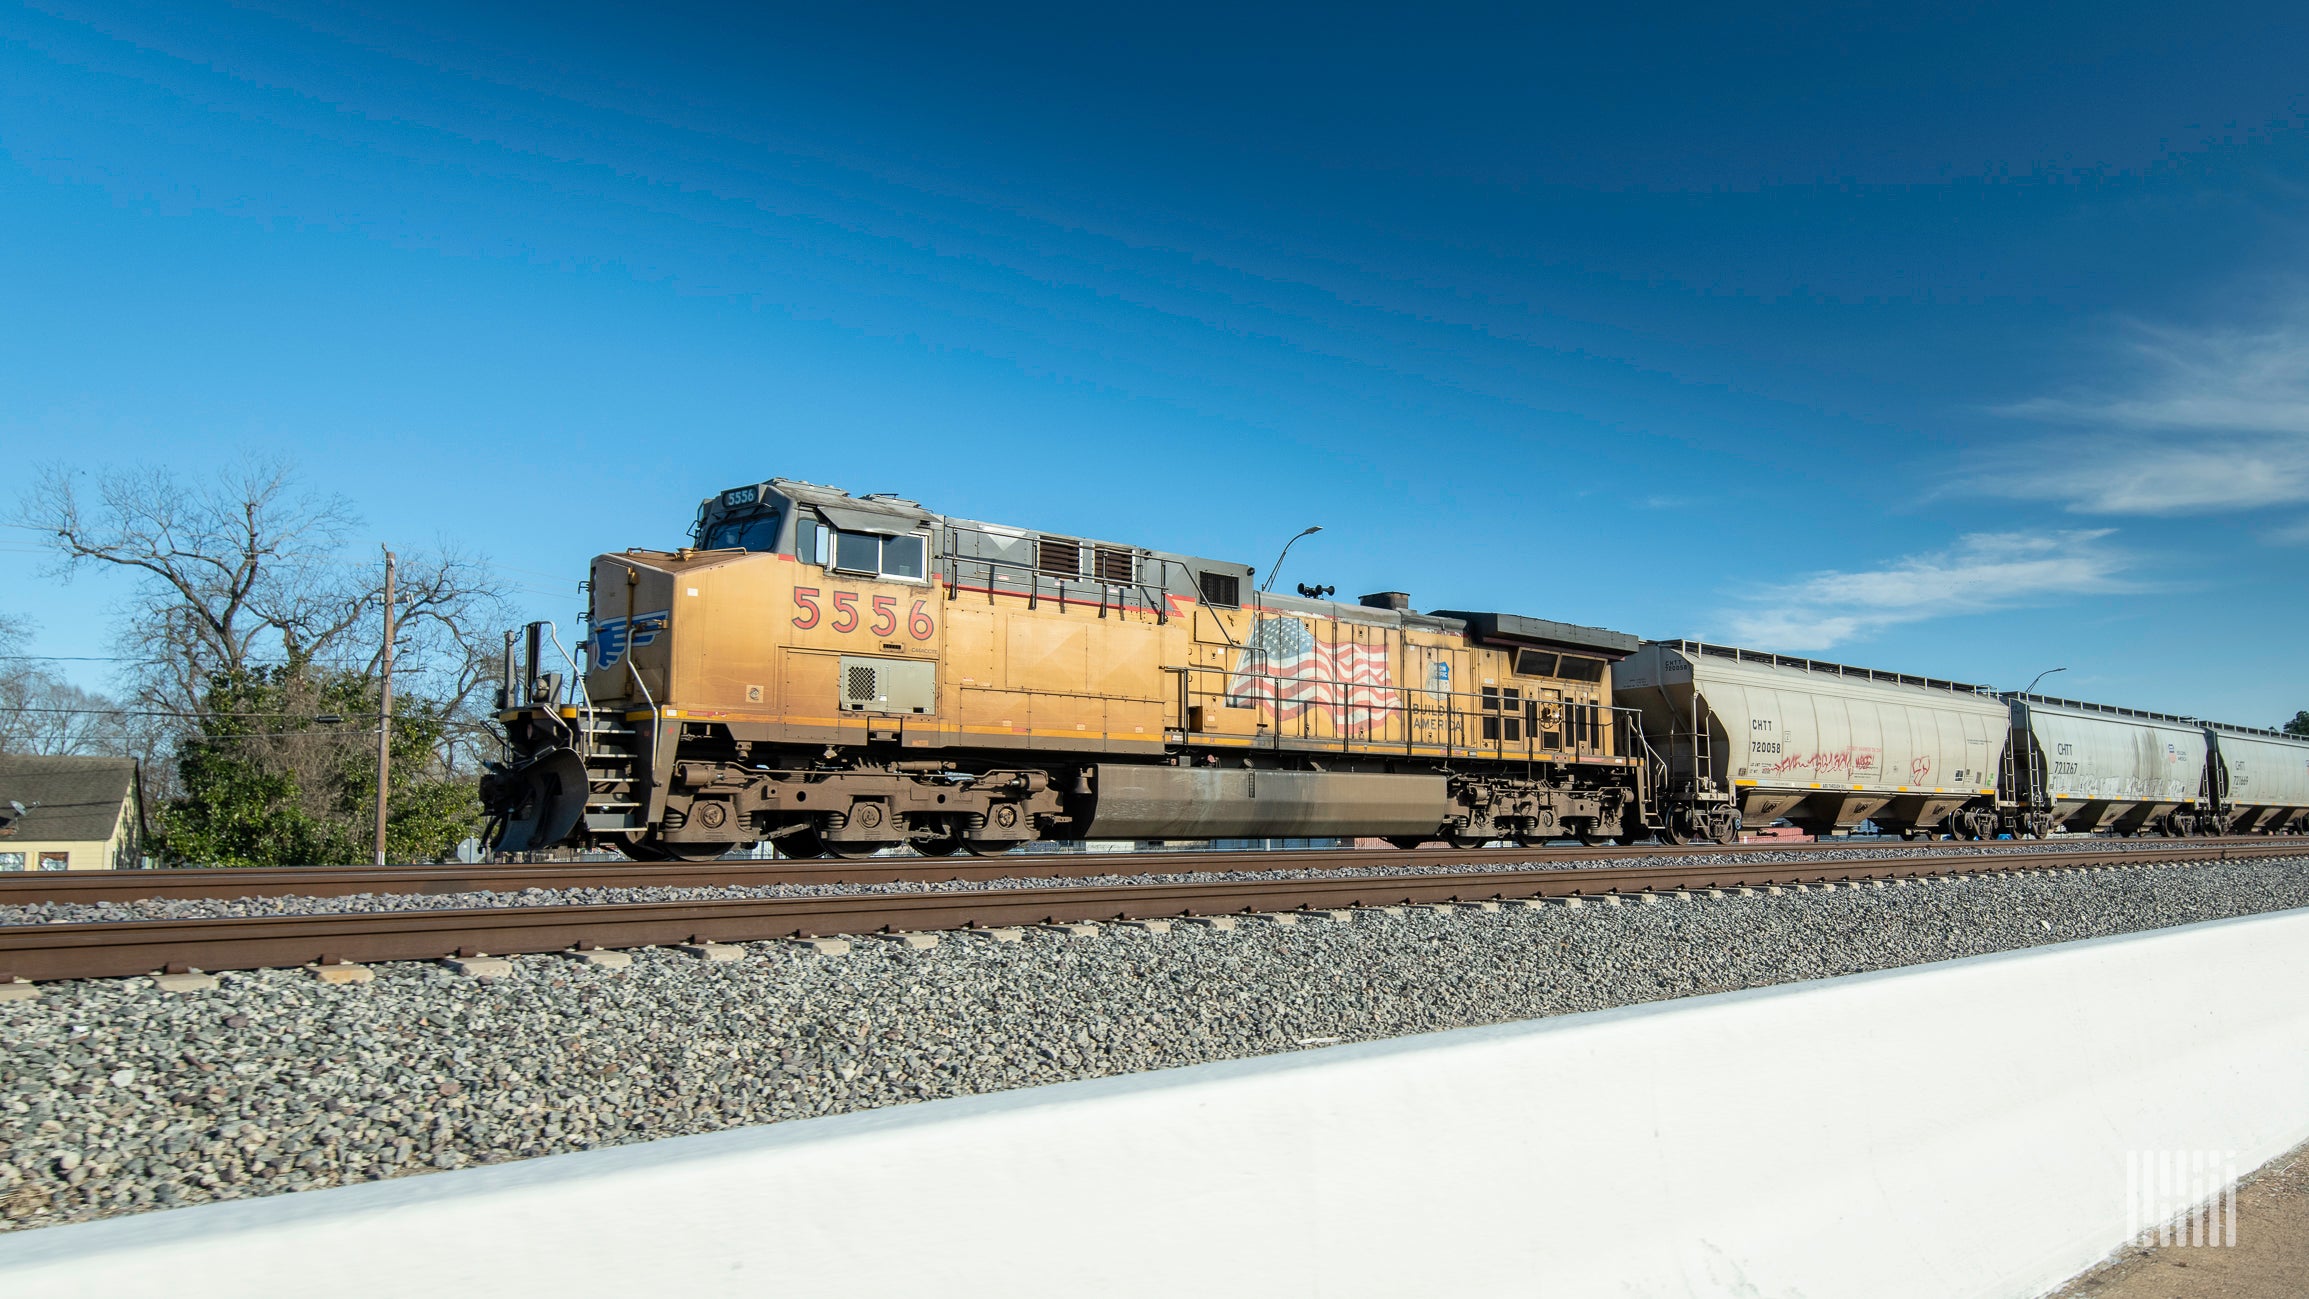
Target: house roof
(66,799)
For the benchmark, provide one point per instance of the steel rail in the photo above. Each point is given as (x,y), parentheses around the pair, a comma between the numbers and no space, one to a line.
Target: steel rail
(345,881)
(108,950)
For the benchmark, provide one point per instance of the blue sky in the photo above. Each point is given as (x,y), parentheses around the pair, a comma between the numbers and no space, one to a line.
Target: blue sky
(1962,340)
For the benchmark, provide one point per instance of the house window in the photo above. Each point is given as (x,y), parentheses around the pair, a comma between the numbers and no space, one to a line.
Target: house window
(11,861)
(55,861)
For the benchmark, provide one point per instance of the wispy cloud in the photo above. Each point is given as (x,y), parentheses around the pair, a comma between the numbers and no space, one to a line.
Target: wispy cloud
(2206,422)
(2295,533)
(1981,572)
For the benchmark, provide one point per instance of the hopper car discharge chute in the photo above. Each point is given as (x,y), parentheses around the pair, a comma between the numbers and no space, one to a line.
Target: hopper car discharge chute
(849,674)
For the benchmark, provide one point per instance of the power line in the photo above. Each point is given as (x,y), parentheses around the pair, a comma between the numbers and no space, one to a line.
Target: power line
(159,712)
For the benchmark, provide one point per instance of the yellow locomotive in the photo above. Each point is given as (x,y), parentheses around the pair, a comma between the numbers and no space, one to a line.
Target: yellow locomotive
(843,674)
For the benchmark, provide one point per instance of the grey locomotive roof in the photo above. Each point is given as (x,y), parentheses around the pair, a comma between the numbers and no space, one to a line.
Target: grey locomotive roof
(66,799)
(1514,626)
(880,511)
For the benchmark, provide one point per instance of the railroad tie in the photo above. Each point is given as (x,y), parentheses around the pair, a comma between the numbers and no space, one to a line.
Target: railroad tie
(478,965)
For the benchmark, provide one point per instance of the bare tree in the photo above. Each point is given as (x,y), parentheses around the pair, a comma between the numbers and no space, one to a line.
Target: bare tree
(232,570)
(42,713)
(255,631)
(251,570)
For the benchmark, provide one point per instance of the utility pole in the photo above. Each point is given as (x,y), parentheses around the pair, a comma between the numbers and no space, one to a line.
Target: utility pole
(385,714)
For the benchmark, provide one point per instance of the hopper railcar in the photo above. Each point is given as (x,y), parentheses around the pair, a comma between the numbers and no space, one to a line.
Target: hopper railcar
(843,674)
(1750,737)
(2259,778)
(2098,767)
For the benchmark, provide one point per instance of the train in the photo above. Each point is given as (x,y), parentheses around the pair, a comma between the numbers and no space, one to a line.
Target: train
(843,675)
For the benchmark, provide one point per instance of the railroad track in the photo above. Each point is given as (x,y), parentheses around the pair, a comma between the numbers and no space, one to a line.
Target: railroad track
(346,881)
(110,950)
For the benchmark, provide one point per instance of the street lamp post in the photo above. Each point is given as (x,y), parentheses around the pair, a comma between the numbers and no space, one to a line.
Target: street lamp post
(2039,677)
(1306,532)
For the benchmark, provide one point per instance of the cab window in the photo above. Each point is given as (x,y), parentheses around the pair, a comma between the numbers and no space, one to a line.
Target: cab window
(902,557)
(857,552)
(865,553)
(756,531)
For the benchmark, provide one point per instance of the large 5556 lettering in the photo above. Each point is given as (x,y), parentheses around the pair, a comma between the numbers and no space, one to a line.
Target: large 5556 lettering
(881,614)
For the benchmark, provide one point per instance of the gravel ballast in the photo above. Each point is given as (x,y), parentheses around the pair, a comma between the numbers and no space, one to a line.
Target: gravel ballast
(116,1097)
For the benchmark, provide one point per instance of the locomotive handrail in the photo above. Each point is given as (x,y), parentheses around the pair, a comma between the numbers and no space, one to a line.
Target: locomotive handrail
(1266,688)
(1034,574)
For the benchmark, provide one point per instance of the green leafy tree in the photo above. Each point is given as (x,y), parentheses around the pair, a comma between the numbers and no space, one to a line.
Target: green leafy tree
(282,771)
(2300,723)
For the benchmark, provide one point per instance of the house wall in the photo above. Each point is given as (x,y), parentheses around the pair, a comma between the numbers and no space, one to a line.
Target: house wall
(119,852)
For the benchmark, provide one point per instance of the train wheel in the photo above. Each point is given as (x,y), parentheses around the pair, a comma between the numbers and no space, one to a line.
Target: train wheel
(1528,840)
(640,849)
(945,846)
(1468,842)
(1406,842)
(855,848)
(801,845)
(988,847)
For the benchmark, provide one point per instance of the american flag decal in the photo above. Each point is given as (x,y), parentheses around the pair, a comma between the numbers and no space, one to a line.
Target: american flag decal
(1283,668)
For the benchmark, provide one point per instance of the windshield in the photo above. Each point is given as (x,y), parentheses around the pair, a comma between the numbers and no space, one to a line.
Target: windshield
(756,531)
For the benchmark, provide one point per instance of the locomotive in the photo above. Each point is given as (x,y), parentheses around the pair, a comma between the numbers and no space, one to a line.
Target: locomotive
(843,674)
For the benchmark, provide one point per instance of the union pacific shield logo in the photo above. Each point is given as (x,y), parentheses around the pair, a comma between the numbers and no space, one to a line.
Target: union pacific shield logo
(609,638)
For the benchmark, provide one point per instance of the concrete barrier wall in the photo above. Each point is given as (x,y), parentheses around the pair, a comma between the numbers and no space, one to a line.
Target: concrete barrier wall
(1951,1130)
